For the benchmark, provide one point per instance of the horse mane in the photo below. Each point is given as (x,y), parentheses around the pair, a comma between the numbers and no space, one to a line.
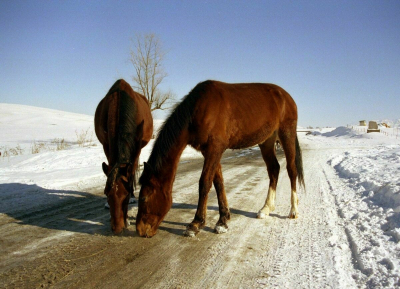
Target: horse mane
(168,134)
(125,126)
(123,144)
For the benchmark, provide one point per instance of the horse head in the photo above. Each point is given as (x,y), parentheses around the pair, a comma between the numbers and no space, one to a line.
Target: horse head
(154,204)
(118,187)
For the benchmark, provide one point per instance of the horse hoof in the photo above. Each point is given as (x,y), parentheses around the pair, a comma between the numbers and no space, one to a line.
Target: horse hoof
(261,215)
(293,215)
(189,233)
(220,229)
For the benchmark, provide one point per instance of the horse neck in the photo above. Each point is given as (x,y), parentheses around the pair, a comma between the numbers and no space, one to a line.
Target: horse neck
(166,175)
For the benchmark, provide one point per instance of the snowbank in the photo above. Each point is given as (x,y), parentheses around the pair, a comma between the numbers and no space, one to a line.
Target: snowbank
(368,198)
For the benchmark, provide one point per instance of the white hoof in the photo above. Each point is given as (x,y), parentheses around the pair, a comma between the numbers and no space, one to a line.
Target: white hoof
(293,214)
(220,229)
(261,215)
(189,233)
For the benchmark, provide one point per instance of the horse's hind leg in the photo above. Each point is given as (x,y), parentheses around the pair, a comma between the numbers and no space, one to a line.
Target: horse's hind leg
(288,140)
(269,156)
(224,213)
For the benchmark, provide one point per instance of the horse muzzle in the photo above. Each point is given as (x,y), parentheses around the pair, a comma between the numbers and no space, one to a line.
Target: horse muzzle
(145,230)
(118,227)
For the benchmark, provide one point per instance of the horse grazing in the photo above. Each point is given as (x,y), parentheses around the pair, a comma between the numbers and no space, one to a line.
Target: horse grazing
(124,125)
(213,117)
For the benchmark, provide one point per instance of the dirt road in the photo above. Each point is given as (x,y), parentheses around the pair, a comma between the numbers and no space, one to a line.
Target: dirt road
(64,240)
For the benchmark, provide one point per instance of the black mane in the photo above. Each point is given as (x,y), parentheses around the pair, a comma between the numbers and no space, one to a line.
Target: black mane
(179,119)
(126,128)
(124,143)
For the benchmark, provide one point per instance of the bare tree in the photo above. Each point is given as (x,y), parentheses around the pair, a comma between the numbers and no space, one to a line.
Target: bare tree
(147,57)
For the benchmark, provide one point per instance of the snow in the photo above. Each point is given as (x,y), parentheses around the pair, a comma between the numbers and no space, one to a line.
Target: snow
(368,200)
(74,167)
(365,182)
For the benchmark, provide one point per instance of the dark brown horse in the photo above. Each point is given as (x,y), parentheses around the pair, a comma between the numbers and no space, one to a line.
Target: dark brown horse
(213,117)
(124,125)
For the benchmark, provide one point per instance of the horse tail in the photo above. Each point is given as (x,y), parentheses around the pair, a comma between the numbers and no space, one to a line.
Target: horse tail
(299,164)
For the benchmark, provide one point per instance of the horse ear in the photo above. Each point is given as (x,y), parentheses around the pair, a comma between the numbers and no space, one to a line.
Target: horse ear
(129,169)
(147,167)
(126,169)
(139,131)
(147,172)
(105,168)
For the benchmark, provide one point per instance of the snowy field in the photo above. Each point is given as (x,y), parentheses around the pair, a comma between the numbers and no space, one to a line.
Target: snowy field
(59,150)
(26,129)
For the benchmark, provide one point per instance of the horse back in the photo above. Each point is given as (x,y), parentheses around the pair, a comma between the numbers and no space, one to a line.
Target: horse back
(241,115)
(143,109)
(107,116)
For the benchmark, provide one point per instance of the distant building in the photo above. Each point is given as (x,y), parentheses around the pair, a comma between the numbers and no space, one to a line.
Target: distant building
(363,123)
(373,127)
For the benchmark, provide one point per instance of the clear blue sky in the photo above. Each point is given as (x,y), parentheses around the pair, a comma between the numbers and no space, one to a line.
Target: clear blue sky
(340,60)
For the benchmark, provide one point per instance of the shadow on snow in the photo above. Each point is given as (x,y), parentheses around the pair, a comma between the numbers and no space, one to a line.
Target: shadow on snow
(55,209)
(79,212)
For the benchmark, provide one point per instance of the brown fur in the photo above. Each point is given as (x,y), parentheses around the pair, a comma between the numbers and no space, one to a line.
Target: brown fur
(213,117)
(124,125)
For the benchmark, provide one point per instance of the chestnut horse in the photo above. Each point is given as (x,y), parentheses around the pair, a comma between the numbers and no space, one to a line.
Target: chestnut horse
(213,117)
(124,125)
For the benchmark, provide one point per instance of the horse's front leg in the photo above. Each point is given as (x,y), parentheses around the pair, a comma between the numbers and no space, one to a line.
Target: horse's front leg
(224,213)
(211,162)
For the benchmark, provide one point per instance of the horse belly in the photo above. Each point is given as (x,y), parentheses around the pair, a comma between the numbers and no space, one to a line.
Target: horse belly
(100,122)
(231,136)
(247,138)
(255,122)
